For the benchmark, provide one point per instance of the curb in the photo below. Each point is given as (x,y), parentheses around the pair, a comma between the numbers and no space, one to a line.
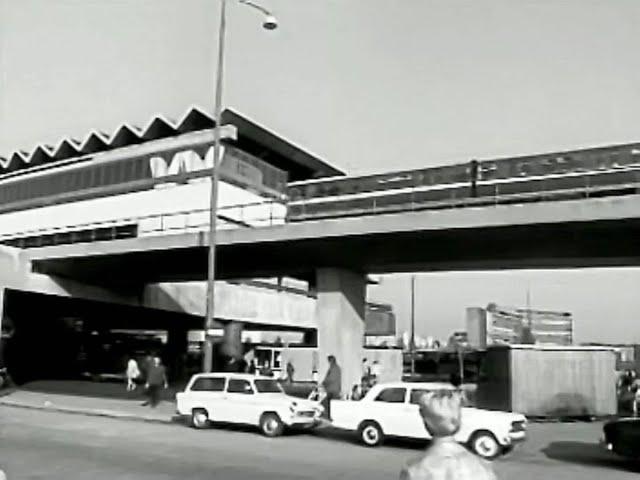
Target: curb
(89,412)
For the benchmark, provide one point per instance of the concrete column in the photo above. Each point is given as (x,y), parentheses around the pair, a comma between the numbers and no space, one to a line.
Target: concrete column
(177,343)
(232,340)
(340,319)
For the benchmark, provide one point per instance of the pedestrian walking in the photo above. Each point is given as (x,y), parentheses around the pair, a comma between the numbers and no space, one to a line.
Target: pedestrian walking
(252,367)
(133,372)
(635,389)
(332,385)
(445,458)
(156,379)
(290,371)
(376,371)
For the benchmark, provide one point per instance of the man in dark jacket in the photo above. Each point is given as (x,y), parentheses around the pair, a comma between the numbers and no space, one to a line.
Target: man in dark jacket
(156,379)
(332,384)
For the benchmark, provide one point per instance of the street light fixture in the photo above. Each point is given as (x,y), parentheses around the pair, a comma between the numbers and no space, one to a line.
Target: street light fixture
(269,23)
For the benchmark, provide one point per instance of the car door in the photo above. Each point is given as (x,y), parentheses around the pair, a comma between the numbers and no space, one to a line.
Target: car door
(208,392)
(388,409)
(240,401)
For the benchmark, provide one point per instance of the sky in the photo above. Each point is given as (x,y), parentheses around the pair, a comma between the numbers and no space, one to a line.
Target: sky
(368,86)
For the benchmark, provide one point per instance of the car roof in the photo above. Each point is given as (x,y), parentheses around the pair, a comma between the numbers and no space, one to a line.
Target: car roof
(416,385)
(239,376)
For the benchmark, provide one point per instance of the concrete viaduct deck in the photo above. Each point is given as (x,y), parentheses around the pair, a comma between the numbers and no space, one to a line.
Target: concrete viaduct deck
(337,253)
(560,234)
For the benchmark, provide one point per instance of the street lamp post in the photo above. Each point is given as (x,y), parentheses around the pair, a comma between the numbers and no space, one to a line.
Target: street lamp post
(412,341)
(269,23)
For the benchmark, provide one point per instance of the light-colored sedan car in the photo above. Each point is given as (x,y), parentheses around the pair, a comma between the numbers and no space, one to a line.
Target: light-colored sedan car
(244,399)
(391,409)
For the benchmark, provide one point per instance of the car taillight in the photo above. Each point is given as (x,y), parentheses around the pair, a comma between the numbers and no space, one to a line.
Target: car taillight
(519,426)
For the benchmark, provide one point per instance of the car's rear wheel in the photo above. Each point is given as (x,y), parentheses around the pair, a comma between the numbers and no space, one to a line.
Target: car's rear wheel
(371,433)
(485,445)
(199,418)
(271,425)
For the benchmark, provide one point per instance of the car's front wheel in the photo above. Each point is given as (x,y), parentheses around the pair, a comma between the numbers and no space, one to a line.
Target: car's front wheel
(199,418)
(485,445)
(271,425)
(371,434)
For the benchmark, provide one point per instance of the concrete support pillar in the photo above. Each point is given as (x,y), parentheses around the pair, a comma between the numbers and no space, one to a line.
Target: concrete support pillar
(340,319)
(177,343)
(232,340)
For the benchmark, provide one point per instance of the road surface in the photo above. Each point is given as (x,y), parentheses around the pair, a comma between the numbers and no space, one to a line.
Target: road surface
(58,446)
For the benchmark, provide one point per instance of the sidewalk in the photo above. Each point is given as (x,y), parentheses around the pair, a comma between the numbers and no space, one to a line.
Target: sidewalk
(105,407)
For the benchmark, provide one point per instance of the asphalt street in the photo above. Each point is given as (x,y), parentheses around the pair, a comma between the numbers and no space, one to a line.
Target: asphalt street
(38,444)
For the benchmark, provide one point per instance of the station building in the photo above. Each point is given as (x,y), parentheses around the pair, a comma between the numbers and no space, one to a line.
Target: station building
(138,182)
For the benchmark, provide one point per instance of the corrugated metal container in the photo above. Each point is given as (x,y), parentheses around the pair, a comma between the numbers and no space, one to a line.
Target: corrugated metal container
(549,381)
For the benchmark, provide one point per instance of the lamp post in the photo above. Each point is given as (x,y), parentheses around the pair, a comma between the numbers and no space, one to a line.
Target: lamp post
(269,23)
(412,341)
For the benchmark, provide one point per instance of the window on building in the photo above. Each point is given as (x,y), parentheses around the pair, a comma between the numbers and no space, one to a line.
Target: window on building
(392,395)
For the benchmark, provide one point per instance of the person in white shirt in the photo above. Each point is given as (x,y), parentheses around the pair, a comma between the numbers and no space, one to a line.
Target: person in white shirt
(133,372)
(376,370)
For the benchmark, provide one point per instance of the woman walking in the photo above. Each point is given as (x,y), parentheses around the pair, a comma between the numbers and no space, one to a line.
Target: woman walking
(133,372)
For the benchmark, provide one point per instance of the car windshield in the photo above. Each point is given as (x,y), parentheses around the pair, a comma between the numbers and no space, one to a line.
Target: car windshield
(267,386)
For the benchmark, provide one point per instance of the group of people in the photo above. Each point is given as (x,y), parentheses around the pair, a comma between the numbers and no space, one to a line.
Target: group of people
(629,390)
(155,378)
(370,376)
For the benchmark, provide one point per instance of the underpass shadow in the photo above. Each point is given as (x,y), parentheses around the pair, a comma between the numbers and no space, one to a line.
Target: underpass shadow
(82,388)
(588,454)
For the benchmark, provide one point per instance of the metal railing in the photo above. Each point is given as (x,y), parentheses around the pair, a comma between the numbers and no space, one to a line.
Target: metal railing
(249,215)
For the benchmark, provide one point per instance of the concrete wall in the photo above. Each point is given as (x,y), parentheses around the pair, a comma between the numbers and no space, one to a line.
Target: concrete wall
(244,303)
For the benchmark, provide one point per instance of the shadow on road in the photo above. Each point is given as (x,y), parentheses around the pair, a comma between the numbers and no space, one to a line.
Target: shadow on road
(588,454)
(344,436)
(81,388)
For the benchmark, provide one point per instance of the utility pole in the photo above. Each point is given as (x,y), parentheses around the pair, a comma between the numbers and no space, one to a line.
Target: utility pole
(412,341)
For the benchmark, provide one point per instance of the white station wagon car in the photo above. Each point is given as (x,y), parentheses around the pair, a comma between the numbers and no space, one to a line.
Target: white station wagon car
(392,409)
(244,399)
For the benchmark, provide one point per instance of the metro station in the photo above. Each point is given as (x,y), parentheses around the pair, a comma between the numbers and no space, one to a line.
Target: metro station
(104,241)
(154,182)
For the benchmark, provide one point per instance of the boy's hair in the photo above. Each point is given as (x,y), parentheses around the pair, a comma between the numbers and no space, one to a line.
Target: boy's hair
(440,412)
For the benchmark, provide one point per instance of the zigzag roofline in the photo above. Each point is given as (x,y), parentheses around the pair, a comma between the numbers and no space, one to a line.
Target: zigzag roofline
(282,153)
